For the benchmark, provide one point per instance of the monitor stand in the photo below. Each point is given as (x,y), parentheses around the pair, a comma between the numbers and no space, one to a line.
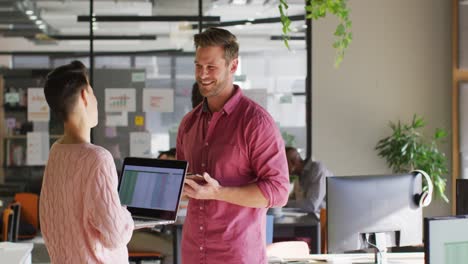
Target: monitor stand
(378,241)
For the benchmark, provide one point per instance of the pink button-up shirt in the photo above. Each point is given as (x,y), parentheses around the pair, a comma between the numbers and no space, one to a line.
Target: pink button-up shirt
(238,145)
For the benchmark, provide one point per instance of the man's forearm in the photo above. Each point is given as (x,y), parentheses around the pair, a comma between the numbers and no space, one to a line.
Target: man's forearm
(248,196)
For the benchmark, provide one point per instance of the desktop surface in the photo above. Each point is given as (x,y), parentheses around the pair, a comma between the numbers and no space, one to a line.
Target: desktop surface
(406,258)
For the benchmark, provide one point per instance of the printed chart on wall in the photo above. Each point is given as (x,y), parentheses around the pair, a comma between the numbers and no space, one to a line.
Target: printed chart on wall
(120,100)
(38,110)
(37,148)
(140,144)
(158,100)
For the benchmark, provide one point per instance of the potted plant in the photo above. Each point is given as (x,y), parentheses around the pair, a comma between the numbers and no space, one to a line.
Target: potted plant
(316,9)
(406,149)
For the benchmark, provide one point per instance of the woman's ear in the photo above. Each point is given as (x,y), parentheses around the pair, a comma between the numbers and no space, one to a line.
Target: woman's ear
(84,96)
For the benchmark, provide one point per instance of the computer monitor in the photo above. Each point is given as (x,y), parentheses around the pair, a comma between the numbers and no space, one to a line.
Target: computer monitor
(446,239)
(462,196)
(376,209)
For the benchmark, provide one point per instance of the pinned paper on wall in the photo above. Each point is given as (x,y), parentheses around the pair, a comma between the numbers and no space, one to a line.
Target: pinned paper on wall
(282,112)
(138,77)
(37,151)
(12,98)
(257,95)
(140,144)
(110,132)
(286,99)
(117,119)
(38,110)
(139,120)
(158,100)
(120,100)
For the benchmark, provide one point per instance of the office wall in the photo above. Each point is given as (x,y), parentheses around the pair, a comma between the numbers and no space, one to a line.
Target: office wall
(5,61)
(399,64)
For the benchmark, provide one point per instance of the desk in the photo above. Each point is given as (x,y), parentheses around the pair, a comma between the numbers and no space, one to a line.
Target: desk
(15,253)
(406,258)
(285,226)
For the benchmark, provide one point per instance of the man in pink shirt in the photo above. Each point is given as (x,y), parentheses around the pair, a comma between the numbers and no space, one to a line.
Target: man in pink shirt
(235,144)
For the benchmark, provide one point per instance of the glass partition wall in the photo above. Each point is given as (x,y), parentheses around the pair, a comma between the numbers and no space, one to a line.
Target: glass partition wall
(155,89)
(143,64)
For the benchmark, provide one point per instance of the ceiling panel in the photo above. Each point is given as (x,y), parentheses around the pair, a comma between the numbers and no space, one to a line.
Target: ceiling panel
(60,16)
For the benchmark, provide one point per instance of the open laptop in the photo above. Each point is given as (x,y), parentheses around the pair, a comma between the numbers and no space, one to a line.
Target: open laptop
(151,189)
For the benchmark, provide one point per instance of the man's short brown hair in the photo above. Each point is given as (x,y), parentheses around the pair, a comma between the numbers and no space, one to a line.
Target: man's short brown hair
(219,37)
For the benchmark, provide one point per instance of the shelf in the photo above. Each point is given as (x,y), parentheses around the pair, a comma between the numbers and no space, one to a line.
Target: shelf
(24,137)
(16,108)
(22,166)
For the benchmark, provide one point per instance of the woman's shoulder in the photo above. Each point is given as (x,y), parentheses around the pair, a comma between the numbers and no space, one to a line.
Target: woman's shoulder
(98,153)
(82,152)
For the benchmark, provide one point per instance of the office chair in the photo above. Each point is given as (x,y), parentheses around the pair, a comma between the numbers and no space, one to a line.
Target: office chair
(11,216)
(29,211)
(323,231)
(138,257)
(288,249)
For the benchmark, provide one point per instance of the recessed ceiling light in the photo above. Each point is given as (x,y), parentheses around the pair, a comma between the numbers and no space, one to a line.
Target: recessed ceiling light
(304,26)
(42,26)
(38,22)
(251,19)
(239,2)
(33,17)
(29,12)
(248,23)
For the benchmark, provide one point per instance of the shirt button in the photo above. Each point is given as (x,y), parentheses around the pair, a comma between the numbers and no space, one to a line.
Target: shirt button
(203,164)
(206,143)
(201,207)
(201,227)
(201,248)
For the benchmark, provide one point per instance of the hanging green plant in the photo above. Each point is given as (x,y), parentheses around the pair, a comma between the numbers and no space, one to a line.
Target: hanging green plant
(316,9)
(406,149)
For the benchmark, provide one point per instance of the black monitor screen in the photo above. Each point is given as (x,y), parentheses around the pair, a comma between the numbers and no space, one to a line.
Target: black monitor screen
(360,206)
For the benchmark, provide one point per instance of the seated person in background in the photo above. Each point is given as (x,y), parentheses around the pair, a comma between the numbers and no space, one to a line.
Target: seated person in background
(82,219)
(311,189)
(168,154)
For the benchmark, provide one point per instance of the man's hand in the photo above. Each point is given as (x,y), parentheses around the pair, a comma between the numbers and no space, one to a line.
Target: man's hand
(206,191)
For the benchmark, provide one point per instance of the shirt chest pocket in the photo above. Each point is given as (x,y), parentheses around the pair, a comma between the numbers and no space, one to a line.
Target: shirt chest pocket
(231,166)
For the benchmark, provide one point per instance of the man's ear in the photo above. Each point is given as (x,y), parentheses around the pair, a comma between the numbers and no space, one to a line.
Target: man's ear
(234,64)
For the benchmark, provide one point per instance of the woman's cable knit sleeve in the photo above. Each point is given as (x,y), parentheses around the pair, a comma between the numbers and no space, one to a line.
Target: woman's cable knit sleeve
(111,222)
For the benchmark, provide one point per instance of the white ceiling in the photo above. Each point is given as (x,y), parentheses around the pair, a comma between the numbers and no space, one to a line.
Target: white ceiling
(61,15)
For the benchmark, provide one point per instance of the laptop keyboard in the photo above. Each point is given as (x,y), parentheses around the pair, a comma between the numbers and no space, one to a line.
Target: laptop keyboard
(139,219)
(150,222)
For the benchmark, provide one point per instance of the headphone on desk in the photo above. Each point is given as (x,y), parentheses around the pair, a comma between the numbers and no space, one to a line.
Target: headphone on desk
(425,197)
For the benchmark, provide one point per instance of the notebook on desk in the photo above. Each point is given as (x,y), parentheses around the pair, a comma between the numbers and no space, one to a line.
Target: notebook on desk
(151,189)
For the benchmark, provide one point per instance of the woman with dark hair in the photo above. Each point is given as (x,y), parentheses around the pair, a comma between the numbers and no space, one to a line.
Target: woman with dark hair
(82,220)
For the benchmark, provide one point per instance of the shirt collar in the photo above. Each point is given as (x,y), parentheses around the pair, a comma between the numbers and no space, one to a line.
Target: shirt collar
(230,104)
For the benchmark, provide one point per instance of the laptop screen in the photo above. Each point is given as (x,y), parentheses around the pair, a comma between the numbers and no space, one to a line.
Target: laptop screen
(150,188)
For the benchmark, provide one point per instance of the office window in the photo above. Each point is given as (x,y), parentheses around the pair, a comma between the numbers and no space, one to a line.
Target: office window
(114,62)
(31,62)
(463,35)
